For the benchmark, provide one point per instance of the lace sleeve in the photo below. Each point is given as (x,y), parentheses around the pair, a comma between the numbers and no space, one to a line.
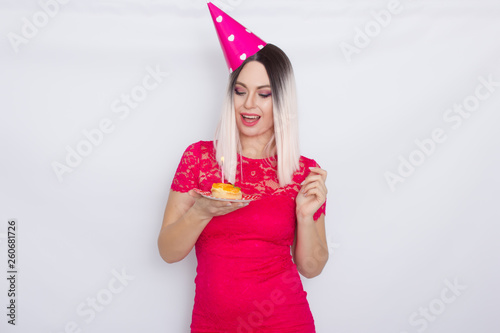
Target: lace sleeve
(187,174)
(322,209)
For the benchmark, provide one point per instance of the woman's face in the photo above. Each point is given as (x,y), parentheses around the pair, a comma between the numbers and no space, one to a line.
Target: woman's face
(253,102)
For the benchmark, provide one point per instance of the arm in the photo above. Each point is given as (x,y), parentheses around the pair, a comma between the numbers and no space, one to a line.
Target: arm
(186,215)
(310,249)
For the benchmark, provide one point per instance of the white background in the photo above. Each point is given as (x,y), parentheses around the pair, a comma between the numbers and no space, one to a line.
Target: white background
(391,252)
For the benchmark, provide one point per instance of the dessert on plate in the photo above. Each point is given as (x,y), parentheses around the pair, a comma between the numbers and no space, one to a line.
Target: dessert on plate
(226,191)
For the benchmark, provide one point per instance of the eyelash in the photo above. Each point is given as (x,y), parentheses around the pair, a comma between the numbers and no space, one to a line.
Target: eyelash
(242,93)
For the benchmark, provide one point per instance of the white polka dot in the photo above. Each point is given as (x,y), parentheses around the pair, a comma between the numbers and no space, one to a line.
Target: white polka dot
(248,31)
(243,56)
(219,19)
(230,70)
(230,38)
(261,46)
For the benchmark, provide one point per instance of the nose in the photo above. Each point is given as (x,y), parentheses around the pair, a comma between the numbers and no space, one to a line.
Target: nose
(250,101)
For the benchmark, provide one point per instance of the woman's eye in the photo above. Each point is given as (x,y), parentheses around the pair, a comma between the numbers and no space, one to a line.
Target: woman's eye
(239,93)
(265,95)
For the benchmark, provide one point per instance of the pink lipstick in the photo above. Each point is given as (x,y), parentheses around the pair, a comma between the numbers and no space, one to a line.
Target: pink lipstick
(249,119)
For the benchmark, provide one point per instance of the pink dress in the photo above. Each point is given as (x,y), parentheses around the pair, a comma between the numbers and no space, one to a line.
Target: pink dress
(246,280)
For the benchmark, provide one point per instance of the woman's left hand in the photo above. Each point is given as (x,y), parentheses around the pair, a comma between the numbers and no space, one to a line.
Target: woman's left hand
(312,193)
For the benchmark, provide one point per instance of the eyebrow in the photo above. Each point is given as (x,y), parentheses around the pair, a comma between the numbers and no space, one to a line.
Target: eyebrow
(259,87)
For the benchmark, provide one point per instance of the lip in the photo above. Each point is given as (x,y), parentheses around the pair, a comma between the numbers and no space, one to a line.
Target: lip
(247,123)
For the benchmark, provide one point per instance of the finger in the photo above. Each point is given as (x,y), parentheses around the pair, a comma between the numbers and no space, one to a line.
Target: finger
(316,192)
(231,208)
(322,186)
(239,204)
(319,171)
(312,178)
(221,210)
(319,185)
(194,194)
(225,205)
(310,186)
(307,189)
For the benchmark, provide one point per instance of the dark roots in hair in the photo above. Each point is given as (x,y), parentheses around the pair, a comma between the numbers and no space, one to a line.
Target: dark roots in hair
(277,65)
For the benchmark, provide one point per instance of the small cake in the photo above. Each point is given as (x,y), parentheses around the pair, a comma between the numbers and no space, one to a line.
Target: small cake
(226,191)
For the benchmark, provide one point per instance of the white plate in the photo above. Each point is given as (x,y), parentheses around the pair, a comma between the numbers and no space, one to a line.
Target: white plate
(246,198)
(220,199)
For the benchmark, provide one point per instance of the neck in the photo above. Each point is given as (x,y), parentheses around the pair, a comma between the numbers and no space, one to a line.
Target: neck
(255,147)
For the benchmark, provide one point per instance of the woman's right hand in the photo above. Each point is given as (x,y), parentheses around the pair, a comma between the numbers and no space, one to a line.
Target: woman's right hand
(186,215)
(208,208)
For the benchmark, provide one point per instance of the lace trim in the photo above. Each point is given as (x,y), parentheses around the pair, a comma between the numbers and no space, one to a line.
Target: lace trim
(198,168)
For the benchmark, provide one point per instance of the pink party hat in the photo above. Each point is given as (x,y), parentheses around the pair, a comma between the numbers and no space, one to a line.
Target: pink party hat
(237,42)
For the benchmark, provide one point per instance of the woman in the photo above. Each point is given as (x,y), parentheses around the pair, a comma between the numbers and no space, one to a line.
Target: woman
(246,279)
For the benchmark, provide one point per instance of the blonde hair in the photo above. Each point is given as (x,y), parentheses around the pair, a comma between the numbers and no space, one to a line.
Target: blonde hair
(285,138)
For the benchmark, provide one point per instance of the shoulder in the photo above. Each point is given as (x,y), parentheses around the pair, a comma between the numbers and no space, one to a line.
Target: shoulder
(206,145)
(200,147)
(303,170)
